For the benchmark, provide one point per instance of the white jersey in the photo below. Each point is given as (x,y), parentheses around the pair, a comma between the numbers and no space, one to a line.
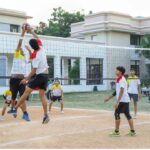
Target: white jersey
(121,83)
(133,84)
(40,62)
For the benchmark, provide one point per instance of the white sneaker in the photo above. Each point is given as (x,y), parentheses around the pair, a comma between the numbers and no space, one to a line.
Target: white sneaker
(135,117)
(1,118)
(62,112)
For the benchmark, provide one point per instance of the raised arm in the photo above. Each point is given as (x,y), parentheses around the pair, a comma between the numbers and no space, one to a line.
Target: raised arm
(20,41)
(34,34)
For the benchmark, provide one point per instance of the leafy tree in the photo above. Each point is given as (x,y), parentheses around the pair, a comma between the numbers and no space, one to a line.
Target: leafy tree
(60,22)
(75,72)
(145,43)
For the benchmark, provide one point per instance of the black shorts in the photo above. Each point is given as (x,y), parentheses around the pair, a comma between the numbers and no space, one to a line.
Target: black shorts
(55,98)
(122,108)
(135,97)
(16,87)
(40,81)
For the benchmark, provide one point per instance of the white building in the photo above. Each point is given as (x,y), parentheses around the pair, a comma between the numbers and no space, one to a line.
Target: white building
(114,29)
(11,20)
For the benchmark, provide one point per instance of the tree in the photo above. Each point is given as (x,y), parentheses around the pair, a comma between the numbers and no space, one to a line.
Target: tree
(145,43)
(60,22)
(75,72)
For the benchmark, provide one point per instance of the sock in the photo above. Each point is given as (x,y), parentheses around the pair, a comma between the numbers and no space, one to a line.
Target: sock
(133,131)
(25,113)
(46,115)
(116,131)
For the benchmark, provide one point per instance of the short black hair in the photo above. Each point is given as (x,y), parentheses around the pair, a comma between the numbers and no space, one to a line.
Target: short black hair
(121,69)
(132,69)
(34,44)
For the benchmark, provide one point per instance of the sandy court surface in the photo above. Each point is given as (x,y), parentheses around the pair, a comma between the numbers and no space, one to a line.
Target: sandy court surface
(75,129)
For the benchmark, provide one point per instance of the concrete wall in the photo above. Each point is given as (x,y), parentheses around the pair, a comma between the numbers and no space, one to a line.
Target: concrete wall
(12,20)
(4,27)
(119,39)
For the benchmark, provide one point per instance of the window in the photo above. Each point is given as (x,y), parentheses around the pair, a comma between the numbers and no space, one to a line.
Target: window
(14,28)
(70,71)
(94,71)
(51,67)
(135,64)
(135,39)
(93,37)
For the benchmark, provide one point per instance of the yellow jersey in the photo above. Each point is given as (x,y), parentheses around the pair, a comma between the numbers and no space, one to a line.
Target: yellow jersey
(8,96)
(56,90)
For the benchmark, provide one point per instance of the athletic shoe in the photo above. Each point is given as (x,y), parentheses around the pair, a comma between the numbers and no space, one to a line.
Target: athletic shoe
(135,117)
(1,118)
(14,113)
(10,111)
(131,133)
(62,112)
(114,134)
(26,117)
(46,119)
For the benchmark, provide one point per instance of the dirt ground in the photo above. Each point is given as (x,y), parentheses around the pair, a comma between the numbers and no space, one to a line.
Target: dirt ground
(75,129)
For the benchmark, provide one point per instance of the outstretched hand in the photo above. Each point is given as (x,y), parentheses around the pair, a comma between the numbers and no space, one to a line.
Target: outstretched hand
(24,81)
(106,100)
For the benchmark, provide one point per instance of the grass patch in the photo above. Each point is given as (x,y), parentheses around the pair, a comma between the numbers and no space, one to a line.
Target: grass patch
(90,100)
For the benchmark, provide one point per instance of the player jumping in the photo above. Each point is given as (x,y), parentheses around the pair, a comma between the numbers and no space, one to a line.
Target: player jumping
(40,71)
(17,75)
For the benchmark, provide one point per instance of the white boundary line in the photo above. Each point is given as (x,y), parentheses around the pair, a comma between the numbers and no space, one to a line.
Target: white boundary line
(92,110)
(54,119)
(63,134)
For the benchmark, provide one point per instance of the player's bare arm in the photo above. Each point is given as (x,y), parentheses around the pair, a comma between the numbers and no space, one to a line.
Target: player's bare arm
(33,33)
(20,41)
(110,97)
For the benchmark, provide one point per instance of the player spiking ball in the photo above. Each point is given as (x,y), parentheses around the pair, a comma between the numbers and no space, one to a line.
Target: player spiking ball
(26,27)
(39,73)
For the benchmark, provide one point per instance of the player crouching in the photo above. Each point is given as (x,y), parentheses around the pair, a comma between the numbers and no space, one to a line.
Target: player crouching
(57,94)
(122,104)
(7,98)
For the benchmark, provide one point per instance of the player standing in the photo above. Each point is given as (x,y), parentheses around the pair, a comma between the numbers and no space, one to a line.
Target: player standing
(134,89)
(40,73)
(122,104)
(17,75)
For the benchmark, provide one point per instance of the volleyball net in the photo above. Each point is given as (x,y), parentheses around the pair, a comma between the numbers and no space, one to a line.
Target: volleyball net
(79,65)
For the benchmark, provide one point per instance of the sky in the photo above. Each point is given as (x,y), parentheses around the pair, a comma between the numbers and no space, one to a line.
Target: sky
(40,10)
